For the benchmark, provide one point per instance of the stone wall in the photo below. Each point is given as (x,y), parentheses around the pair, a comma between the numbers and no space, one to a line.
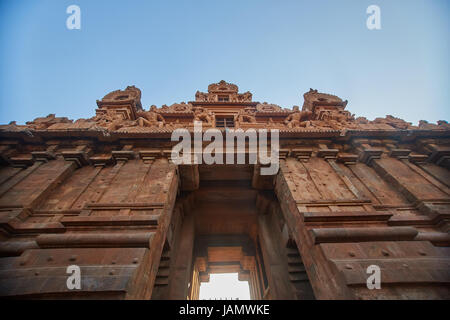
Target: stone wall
(377,205)
(110,219)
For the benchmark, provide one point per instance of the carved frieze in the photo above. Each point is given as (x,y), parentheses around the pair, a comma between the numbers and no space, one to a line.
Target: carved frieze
(121,111)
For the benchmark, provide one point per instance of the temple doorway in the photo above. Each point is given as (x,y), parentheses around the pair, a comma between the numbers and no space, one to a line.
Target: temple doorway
(228,222)
(220,256)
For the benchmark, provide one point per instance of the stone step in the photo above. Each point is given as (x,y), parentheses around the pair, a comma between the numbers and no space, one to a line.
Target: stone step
(164,263)
(161,281)
(294,260)
(292,252)
(298,276)
(163,272)
(165,255)
(296,268)
(304,295)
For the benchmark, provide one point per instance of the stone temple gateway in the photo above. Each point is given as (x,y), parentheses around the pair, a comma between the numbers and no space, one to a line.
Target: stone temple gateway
(103,194)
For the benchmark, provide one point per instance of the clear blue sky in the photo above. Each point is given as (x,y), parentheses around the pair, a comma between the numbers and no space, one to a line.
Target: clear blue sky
(275,49)
(224,286)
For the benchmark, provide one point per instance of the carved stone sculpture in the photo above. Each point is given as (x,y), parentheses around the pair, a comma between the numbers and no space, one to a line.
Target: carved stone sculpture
(298,119)
(150,118)
(268,107)
(246,115)
(109,120)
(393,122)
(46,122)
(200,114)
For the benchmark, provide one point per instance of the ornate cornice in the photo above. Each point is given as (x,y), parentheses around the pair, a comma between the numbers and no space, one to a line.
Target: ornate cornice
(120,114)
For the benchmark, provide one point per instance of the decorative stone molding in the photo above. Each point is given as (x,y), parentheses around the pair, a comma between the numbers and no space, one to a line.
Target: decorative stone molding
(302,154)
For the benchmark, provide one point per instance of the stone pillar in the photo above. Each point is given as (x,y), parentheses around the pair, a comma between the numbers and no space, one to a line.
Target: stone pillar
(194,288)
(182,269)
(274,259)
